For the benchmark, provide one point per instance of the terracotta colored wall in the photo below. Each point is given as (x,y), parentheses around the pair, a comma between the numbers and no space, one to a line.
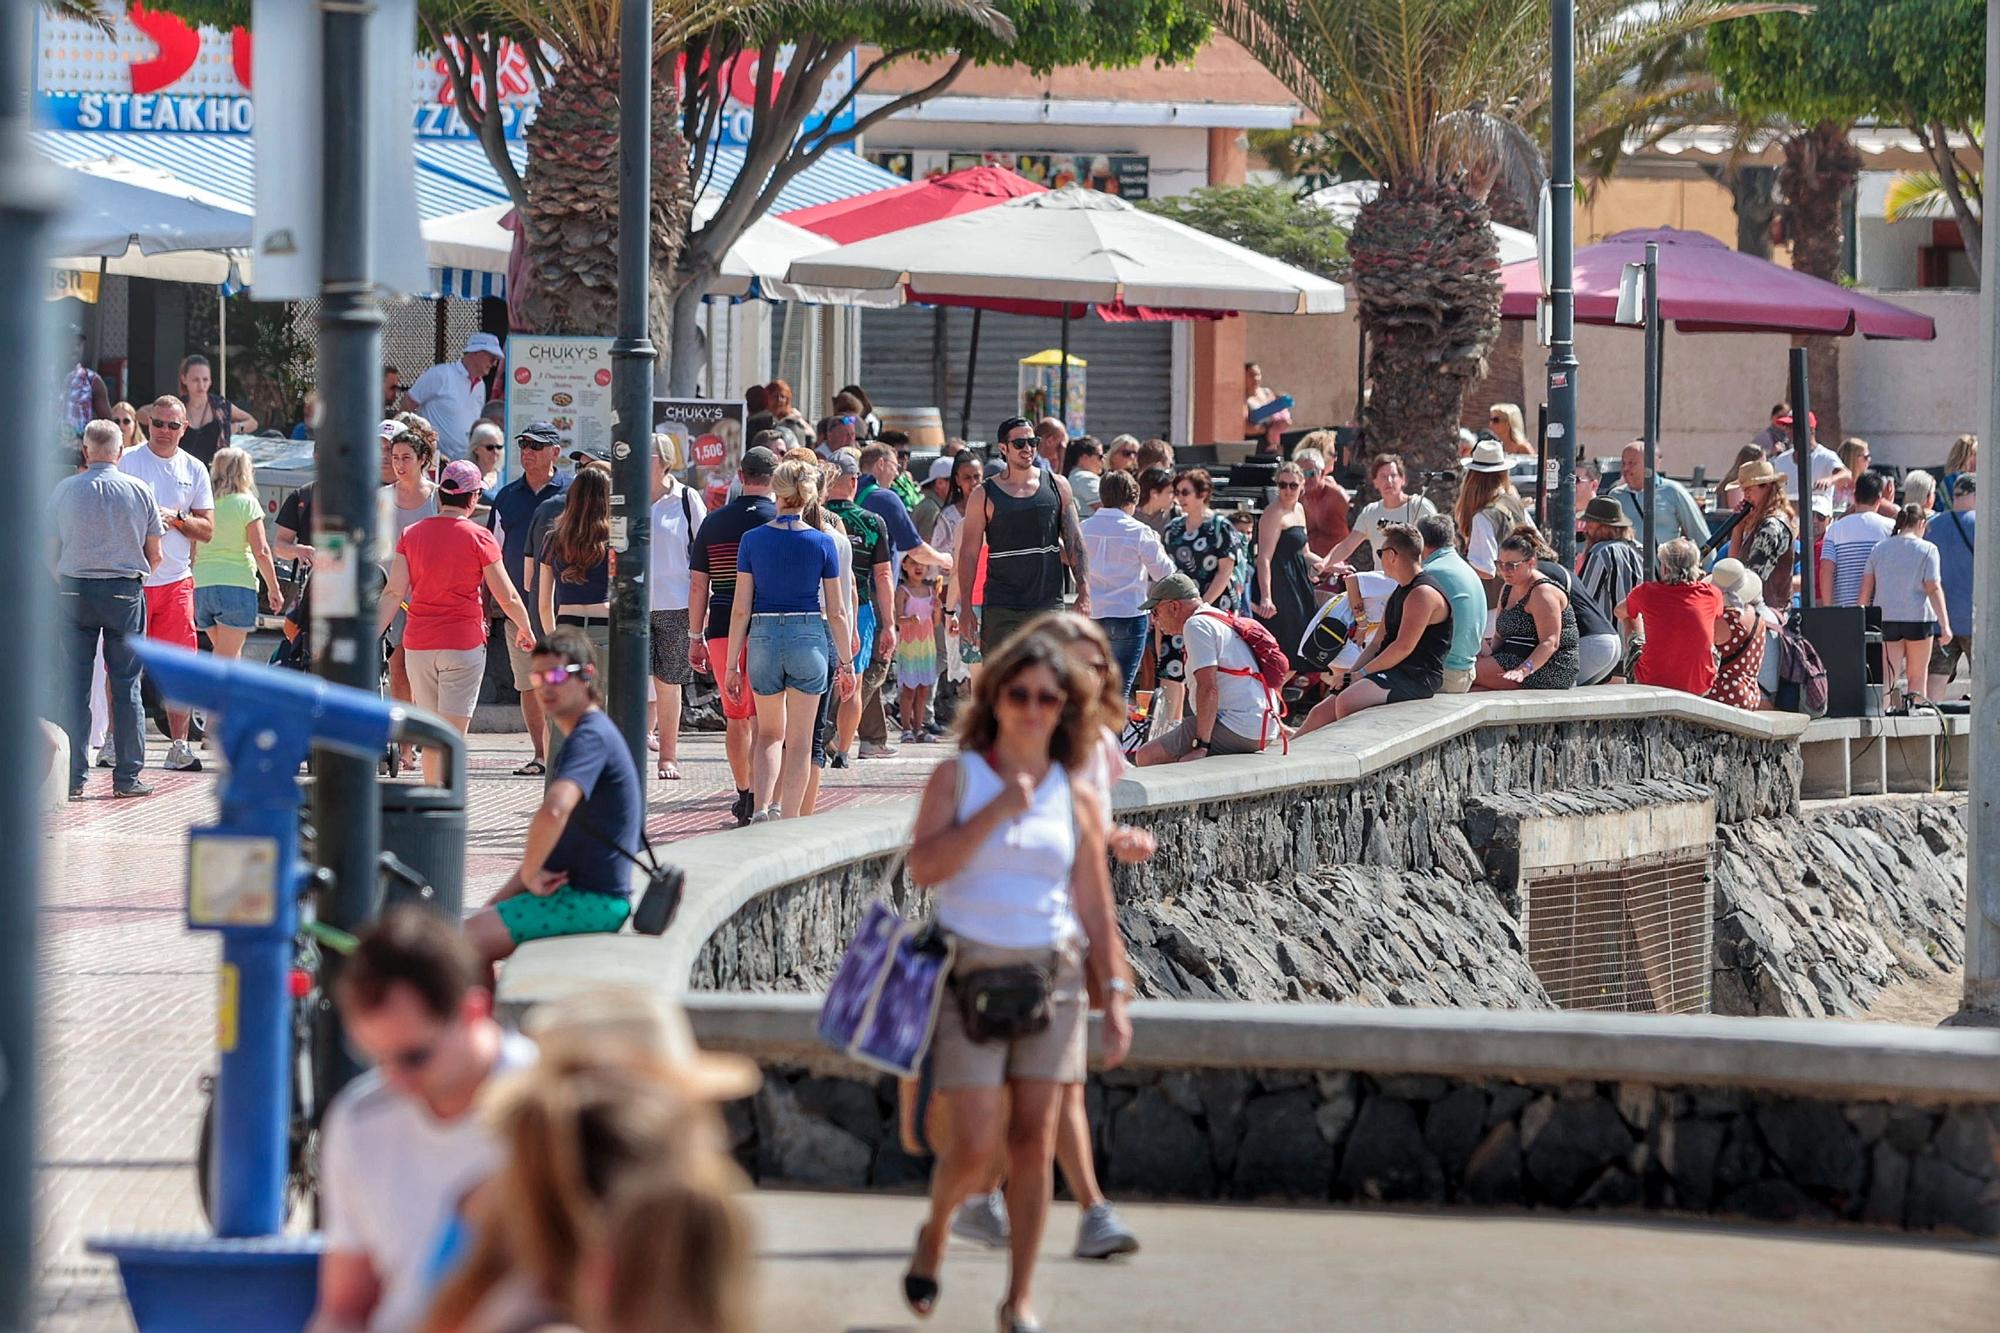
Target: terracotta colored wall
(1220,347)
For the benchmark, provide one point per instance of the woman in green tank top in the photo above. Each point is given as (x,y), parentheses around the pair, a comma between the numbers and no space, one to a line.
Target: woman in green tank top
(226,568)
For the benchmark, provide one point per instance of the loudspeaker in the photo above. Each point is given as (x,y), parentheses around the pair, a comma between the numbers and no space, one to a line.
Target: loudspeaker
(1849,642)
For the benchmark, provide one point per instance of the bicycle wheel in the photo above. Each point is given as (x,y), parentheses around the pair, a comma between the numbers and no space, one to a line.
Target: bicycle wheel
(204,1152)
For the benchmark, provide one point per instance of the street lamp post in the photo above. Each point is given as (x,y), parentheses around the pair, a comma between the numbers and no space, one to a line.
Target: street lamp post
(347,815)
(27,202)
(1562,364)
(632,357)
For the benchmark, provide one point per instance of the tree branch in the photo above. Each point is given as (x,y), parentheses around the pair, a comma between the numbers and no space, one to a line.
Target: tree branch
(881,113)
(486,120)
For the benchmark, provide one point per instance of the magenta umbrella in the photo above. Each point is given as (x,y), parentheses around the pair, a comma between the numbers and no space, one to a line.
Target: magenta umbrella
(1706,287)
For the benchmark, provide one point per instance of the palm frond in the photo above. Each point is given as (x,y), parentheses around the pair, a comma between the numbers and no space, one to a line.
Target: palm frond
(1917,195)
(92,12)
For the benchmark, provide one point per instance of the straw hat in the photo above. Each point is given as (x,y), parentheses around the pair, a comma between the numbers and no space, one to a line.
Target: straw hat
(627,1026)
(1757,472)
(1486,456)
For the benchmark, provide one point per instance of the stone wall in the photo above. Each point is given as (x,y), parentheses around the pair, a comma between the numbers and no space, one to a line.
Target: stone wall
(1341,1137)
(1817,916)
(1235,904)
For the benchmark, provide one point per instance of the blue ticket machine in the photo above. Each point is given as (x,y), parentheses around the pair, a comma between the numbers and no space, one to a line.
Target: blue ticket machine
(244,878)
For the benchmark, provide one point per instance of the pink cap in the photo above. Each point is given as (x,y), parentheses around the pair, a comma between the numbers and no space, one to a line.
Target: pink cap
(462,477)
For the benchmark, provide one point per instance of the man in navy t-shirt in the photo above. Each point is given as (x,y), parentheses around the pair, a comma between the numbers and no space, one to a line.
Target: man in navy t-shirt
(877,496)
(575,872)
(511,516)
(712,579)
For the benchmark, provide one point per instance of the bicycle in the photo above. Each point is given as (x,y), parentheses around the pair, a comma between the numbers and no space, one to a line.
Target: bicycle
(400,886)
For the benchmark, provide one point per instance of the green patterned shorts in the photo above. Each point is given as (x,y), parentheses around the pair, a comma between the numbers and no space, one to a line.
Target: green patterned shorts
(567,911)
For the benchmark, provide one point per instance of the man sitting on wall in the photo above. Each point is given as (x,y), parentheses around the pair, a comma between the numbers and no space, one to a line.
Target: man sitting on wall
(1232,710)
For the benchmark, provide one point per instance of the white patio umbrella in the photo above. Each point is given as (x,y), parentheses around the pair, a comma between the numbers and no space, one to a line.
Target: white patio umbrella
(1071,247)
(120,217)
(1344,202)
(474,240)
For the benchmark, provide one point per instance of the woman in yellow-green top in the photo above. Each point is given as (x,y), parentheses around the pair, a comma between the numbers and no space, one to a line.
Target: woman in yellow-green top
(226,569)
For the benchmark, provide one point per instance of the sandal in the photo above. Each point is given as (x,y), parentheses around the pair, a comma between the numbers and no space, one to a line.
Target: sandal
(920,1290)
(534,768)
(1010,1322)
(669,771)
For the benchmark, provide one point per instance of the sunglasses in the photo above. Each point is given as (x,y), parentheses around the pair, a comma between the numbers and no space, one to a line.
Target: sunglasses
(1288,485)
(536,444)
(1509,566)
(413,1060)
(1023,697)
(1187,492)
(123,421)
(169,425)
(1023,441)
(558,674)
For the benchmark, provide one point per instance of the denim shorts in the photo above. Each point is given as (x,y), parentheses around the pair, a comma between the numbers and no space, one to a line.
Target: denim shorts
(787,652)
(226,605)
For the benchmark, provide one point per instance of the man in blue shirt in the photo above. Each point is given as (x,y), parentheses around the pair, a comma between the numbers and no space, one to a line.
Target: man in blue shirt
(1675,514)
(575,871)
(1953,533)
(511,516)
(1465,593)
(878,476)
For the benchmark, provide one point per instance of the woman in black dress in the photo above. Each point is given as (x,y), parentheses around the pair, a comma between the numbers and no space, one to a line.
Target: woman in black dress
(212,419)
(1286,566)
(1534,639)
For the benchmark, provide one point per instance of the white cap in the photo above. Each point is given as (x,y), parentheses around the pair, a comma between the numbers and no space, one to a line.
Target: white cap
(940,469)
(484,342)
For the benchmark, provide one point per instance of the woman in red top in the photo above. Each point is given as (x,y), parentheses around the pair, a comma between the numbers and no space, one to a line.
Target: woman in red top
(441,564)
(1679,613)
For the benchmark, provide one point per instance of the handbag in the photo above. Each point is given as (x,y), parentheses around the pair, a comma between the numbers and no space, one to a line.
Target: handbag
(882,1005)
(661,899)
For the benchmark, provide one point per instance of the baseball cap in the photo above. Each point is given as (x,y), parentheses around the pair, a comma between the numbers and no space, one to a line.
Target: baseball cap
(941,469)
(483,342)
(758,462)
(1812,420)
(391,428)
(1822,504)
(462,477)
(1175,587)
(587,453)
(539,435)
(847,464)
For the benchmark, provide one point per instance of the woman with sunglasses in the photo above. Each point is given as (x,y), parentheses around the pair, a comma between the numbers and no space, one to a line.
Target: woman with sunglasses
(1286,566)
(1534,638)
(1203,544)
(127,419)
(1013,846)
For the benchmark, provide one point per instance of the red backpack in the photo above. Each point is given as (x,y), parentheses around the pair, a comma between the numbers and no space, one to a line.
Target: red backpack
(1273,668)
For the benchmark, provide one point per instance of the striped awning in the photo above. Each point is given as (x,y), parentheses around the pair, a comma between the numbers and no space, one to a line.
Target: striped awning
(466,284)
(452,175)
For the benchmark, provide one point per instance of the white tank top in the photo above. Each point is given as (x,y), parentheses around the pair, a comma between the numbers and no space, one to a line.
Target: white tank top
(1014,892)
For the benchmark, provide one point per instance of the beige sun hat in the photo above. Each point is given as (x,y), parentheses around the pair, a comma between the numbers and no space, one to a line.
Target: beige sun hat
(624,1025)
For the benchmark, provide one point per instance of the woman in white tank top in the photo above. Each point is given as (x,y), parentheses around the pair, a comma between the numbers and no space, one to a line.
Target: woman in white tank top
(1015,852)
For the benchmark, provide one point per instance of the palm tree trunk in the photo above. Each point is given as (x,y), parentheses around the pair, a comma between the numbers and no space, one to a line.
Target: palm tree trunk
(1820,167)
(571,217)
(1424,263)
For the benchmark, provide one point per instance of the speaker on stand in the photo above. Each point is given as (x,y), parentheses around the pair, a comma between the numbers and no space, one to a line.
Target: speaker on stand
(1849,642)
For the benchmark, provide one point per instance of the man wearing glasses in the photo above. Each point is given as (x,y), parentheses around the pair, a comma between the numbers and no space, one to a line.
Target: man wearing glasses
(402,1145)
(187,507)
(1027,522)
(511,517)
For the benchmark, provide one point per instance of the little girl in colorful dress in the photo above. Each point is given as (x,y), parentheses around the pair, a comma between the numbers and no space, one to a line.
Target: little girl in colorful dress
(916,646)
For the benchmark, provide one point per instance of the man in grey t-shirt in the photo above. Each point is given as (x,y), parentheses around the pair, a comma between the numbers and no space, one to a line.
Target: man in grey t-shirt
(107,527)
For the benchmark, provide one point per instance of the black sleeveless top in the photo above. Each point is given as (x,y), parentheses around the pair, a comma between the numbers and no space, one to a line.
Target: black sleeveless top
(204,442)
(1425,664)
(1024,570)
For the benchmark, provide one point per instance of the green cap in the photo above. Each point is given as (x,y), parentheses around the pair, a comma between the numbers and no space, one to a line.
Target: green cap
(1175,587)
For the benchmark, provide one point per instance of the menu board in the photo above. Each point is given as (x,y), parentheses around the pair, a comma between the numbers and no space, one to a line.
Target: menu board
(708,437)
(562,380)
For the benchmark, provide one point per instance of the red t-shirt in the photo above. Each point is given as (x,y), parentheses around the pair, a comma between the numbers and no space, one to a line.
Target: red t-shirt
(447,556)
(1680,634)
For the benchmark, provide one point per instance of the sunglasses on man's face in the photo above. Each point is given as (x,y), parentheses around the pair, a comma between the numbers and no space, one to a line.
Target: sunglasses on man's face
(170,426)
(1019,442)
(413,1060)
(558,674)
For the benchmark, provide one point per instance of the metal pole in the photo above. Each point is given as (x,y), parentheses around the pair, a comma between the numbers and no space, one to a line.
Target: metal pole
(632,356)
(1982,862)
(1542,465)
(346,814)
(1802,449)
(1062,373)
(222,350)
(1652,392)
(971,375)
(1562,366)
(27,202)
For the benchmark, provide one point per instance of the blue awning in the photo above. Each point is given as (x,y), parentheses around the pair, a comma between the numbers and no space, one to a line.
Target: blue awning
(452,176)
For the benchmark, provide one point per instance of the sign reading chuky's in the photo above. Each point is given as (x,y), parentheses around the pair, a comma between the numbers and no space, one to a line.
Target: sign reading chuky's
(566,381)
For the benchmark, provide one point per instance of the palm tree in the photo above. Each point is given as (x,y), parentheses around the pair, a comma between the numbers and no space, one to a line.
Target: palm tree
(1430,97)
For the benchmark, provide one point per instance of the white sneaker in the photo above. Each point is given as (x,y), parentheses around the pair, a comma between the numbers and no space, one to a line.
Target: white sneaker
(181,759)
(983,1218)
(107,755)
(1099,1234)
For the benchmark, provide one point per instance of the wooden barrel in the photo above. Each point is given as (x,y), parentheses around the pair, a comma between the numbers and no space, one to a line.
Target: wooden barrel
(924,425)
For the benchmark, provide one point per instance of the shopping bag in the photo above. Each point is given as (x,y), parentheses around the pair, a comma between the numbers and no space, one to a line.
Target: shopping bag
(882,1005)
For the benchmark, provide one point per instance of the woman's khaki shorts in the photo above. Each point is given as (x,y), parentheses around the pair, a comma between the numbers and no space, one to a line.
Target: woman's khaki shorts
(1053,1055)
(446,680)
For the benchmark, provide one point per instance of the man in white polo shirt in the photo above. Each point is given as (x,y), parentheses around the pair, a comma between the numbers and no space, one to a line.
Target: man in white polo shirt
(187,507)
(1828,471)
(451,396)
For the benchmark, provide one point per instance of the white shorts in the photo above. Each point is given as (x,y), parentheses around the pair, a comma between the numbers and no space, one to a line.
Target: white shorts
(446,680)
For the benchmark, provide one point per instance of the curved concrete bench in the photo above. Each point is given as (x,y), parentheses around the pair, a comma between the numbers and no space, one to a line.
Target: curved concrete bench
(728,870)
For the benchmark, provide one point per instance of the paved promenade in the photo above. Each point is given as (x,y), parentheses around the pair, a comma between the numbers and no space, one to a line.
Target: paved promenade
(127,1002)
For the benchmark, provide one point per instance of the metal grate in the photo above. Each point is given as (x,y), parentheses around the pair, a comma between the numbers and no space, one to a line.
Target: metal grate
(1634,936)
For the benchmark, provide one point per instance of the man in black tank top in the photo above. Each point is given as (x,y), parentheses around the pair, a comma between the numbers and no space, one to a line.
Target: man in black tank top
(1406,661)
(1026,522)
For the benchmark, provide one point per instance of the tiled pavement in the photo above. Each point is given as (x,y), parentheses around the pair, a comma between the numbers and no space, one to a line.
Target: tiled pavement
(127,992)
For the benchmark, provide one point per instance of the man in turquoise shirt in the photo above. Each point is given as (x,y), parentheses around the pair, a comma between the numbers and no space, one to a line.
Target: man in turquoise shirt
(1463,590)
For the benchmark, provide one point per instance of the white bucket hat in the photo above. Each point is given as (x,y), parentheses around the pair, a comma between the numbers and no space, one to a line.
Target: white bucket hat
(1486,456)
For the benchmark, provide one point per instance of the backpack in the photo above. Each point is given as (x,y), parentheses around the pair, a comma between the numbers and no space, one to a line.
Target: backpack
(1801,676)
(1273,668)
